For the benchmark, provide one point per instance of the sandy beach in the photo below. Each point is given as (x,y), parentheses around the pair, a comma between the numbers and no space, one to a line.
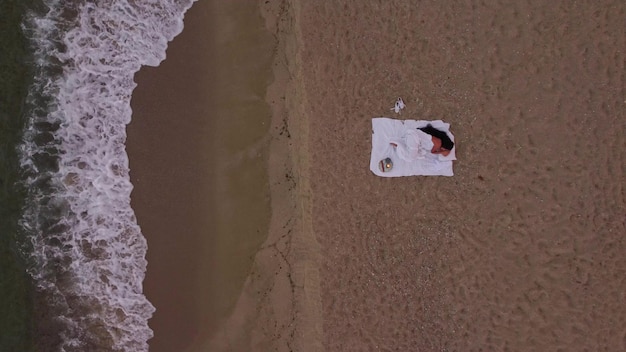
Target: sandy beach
(249,152)
(522,248)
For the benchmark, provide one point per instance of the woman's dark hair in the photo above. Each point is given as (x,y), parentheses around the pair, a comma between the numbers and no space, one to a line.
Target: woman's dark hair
(446,142)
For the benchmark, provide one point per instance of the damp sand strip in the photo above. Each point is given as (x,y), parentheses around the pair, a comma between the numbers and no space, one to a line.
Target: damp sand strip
(198,147)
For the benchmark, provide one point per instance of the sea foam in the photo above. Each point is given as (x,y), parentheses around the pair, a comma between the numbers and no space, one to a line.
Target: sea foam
(86,249)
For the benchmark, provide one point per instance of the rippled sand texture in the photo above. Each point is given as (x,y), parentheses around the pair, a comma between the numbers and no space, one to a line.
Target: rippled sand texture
(523,249)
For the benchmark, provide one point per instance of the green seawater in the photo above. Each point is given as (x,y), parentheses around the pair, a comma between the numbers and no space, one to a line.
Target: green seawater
(16,291)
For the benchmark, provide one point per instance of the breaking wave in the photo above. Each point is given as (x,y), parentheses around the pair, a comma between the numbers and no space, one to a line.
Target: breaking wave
(87,252)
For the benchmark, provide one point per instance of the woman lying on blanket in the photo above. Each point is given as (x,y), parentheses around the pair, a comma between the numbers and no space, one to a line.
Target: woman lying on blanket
(417,143)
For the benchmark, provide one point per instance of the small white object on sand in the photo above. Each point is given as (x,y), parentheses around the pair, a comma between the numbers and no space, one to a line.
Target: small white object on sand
(399,106)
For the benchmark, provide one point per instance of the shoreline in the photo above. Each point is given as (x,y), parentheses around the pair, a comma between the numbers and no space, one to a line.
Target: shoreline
(198,149)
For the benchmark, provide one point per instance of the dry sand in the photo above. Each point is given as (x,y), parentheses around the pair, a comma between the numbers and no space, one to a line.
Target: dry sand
(522,250)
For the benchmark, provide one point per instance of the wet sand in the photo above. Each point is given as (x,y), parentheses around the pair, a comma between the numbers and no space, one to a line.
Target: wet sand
(521,250)
(198,148)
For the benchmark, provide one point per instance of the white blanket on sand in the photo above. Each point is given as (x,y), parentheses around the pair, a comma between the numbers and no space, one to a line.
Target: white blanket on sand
(412,156)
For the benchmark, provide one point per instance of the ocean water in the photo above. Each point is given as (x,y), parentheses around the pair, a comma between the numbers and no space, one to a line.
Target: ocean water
(73,227)
(16,329)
